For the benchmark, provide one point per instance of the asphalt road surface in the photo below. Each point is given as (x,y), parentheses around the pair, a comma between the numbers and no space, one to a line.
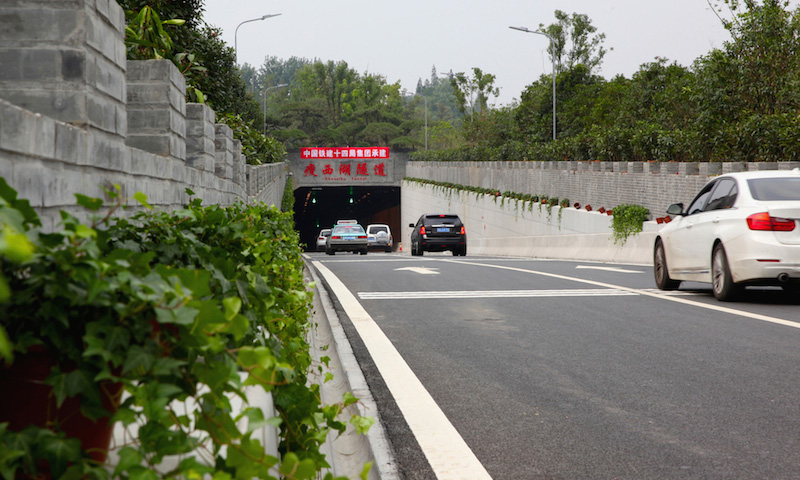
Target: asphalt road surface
(531,369)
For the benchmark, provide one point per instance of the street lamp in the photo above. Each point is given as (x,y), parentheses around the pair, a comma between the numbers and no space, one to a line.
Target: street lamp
(426,117)
(265,101)
(236,32)
(553,54)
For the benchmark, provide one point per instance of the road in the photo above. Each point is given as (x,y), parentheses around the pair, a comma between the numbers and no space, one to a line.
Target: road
(570,370)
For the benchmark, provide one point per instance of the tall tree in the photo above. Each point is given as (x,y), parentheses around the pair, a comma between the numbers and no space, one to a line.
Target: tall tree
(474,91)
(575,41)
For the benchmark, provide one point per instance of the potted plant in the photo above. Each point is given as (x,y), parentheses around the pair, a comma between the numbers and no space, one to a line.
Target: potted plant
(180,308)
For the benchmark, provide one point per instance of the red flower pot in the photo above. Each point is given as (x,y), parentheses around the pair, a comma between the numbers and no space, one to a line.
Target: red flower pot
(33,403)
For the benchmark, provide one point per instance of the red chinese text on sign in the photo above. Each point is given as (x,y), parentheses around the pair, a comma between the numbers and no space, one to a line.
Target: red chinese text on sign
(344,152)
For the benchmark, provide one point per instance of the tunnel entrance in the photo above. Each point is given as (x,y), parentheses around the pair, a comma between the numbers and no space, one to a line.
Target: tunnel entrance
(316,208)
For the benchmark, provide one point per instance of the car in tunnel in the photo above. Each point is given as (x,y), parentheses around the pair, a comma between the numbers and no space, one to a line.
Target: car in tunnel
(438,233)
(379,236)
(322,239)
(347,236)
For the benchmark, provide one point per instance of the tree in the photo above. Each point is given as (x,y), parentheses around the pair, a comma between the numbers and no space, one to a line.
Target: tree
(759,69)
(474,91)
(585,45)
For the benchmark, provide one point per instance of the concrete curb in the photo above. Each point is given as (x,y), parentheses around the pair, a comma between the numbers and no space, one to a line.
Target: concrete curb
(347,453)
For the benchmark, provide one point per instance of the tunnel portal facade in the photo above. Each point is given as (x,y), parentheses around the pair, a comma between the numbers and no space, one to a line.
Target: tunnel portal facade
(361,183)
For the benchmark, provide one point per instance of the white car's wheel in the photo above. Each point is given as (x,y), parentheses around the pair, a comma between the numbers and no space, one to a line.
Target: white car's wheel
(660,271)
(722,281)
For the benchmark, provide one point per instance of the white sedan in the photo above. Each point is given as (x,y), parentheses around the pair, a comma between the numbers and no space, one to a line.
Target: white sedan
(741,229)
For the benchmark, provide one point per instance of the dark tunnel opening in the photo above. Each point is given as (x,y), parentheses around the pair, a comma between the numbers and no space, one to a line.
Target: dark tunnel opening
(316,208)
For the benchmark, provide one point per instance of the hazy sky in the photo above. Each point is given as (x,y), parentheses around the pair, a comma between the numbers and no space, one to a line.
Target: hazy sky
(403,40)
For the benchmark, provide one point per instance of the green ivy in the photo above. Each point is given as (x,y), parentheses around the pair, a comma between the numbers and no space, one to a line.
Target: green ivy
(628,220)
(184,307)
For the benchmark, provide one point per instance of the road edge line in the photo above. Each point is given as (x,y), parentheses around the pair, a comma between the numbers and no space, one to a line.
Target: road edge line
(446,451)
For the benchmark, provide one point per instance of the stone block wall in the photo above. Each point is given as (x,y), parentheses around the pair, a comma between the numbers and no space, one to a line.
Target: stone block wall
(62,59)
(200,137)
(76,117)
(156,108)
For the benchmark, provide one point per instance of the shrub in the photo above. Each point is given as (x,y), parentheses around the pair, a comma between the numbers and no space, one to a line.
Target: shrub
(183,309)
(628,220)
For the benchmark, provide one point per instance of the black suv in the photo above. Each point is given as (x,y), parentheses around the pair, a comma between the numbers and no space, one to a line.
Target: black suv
(438,233)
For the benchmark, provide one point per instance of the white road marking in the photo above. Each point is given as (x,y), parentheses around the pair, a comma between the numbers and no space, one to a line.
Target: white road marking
(672,293)
(448,454)
(420,270)
(570,292)
(609,269)
(677,299)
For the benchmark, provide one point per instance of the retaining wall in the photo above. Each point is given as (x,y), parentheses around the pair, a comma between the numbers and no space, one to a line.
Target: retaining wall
(653,185)
(525,229)
(76,117)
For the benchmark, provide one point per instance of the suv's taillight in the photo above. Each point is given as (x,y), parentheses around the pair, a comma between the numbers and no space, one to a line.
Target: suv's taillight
(762,221)
(422,230)
(463,230)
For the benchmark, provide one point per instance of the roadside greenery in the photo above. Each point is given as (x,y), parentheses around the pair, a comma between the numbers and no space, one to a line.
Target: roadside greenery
(184,311)
(174,30)
(737,103)
(504,197)
(627,221)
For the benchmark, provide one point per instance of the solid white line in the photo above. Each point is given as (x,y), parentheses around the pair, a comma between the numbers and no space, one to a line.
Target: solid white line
(671,298)
(608,269)
(570,292)
(448,454)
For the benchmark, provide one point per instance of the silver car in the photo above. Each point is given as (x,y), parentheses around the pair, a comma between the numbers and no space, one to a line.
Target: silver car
(322,238)
(347,237)
(379,236)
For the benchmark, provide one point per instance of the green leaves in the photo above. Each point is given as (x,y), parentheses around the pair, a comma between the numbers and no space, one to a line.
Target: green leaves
(627,220)
(186,310)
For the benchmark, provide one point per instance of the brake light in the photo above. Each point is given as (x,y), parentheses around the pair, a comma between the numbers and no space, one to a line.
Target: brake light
(422,230)
(362,236)
(463,230)
(336,237)
(762,221)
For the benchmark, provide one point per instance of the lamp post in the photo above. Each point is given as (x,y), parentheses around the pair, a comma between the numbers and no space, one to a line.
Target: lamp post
(552,54)
(236,33)
(265,101)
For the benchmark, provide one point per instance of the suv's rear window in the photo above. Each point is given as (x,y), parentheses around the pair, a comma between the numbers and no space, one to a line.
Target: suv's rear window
(775,189)
(442,219)
(376,229)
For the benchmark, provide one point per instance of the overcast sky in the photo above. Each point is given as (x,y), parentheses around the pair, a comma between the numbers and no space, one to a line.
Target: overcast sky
(403,40)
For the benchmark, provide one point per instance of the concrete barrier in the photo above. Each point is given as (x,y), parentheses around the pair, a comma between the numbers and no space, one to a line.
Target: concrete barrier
(596,247)
(520,229)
